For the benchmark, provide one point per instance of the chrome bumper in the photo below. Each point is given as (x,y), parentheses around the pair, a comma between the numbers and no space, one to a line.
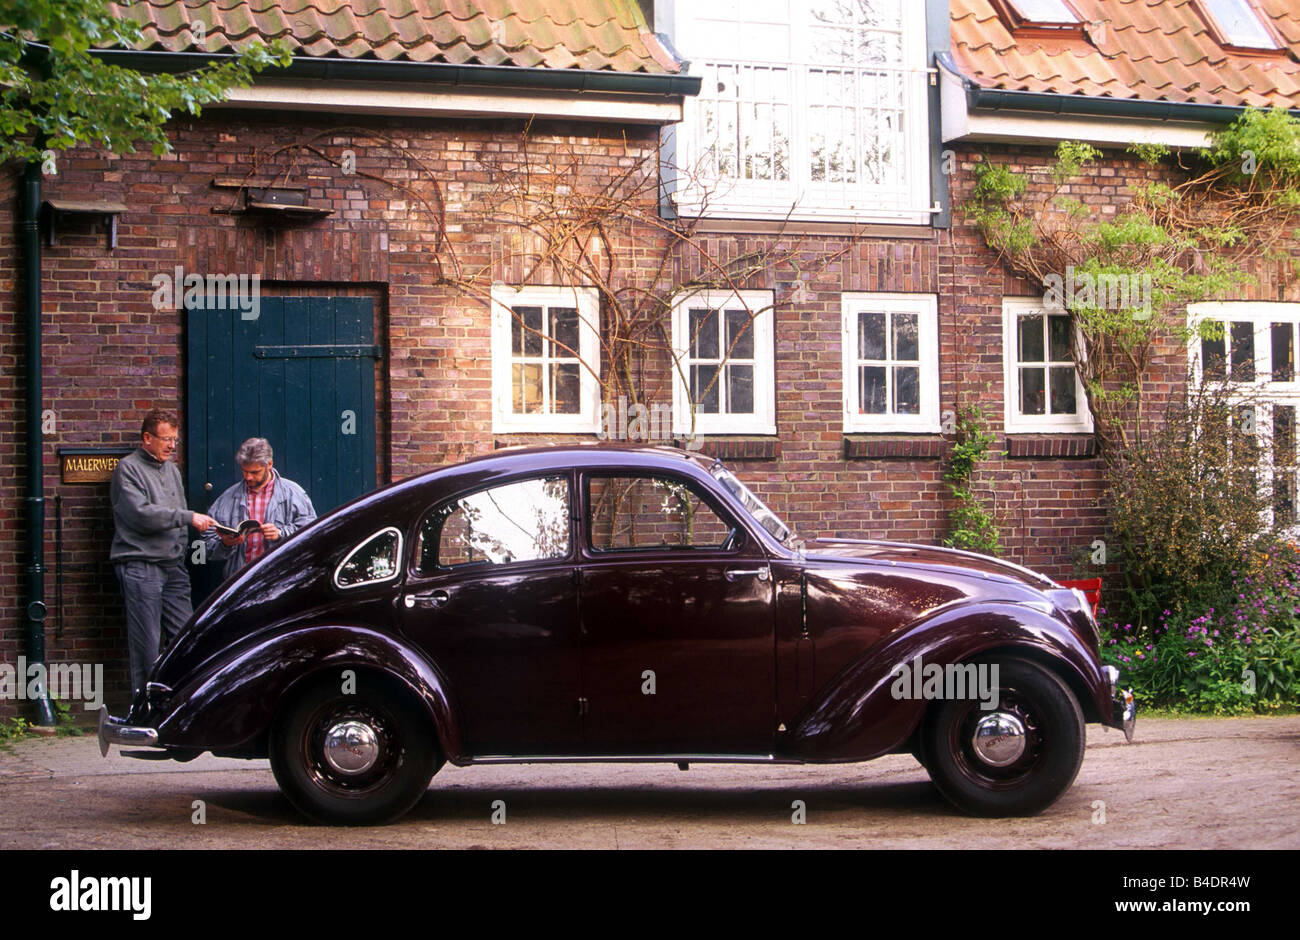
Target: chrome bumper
(1125,708)
(114,731)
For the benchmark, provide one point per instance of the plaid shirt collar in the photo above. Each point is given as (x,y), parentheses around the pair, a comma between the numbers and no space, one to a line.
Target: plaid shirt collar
(255,542)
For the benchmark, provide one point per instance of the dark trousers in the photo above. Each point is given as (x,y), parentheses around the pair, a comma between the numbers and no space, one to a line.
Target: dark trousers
(157,603)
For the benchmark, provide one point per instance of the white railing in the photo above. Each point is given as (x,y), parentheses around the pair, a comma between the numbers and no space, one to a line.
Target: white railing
(842,143)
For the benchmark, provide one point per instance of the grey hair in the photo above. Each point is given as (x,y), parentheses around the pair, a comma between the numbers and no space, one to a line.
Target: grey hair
(254,450)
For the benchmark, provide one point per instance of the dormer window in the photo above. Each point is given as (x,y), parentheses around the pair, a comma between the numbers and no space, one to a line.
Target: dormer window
(1044,12)
(1237,24)
(1043,17)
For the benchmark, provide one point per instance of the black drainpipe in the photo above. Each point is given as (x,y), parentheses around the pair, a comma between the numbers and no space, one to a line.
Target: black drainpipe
(35,569)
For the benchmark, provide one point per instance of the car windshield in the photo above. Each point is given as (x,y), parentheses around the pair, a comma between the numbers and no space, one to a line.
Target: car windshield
(753,505)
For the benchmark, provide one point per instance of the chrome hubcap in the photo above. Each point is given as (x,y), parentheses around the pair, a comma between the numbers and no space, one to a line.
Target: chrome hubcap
(999,739)
(351,747)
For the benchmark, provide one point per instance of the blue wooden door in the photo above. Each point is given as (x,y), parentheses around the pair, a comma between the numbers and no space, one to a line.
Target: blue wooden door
(301,375)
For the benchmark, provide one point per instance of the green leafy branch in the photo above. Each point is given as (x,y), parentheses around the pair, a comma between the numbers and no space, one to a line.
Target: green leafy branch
(56,94)
(973,527)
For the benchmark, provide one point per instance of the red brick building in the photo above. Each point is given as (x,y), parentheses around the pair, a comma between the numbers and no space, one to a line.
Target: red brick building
(400,312)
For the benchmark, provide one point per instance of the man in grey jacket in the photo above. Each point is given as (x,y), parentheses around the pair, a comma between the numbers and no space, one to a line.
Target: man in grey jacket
(149,539)
(280,506)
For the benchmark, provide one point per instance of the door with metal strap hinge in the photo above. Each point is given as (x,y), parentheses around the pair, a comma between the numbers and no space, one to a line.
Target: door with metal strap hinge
(301,373)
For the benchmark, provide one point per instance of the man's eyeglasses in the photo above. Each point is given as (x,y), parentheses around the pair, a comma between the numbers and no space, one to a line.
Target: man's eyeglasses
(165,440)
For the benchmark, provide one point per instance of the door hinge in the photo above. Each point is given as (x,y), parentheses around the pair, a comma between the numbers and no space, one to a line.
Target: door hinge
(584,707)
(576,577)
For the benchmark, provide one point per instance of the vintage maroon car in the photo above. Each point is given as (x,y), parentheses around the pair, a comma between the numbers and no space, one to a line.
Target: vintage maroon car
(612,603)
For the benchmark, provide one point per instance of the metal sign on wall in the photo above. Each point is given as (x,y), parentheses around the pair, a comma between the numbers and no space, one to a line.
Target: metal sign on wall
(89,464)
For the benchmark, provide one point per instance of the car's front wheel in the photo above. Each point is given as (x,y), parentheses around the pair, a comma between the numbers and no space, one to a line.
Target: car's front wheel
(1015,759)
(362,757)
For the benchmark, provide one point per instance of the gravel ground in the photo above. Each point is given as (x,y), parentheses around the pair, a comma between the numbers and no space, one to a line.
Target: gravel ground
(1197,784)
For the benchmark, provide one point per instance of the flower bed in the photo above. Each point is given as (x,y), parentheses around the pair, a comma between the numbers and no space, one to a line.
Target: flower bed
(1239,656)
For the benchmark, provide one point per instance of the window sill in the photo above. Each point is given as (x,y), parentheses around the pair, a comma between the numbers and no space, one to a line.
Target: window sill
(1069,446)
(724,225)
(735,448)
(893,447)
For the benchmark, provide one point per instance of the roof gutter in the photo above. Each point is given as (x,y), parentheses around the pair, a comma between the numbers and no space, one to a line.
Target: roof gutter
(979,98)
(434,73)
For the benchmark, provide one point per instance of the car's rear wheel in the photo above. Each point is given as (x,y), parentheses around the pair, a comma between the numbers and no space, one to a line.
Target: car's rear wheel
(1015,759)
(359,758)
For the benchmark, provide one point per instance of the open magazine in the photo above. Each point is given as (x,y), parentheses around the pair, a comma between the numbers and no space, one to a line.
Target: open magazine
(245,527)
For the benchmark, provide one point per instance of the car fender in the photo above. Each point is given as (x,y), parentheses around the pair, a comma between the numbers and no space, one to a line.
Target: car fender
(230,704)
(856,716)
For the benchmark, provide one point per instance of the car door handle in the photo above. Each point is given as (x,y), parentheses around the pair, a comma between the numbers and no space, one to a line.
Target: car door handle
(734,573)
(438,598)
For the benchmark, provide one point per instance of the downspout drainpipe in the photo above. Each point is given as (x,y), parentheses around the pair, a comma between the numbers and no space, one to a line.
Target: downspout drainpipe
(35,568)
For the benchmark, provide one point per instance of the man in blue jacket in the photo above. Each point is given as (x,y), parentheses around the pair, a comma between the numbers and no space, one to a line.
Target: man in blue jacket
(279,506)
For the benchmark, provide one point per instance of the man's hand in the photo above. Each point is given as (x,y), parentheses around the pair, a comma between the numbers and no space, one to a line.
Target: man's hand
(230,541)
(270,532)
(202,522)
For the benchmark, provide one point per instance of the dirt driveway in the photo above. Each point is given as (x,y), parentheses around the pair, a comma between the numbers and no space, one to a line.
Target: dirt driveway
(1198,784)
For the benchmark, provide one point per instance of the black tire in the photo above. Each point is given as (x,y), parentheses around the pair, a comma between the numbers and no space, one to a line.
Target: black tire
(406,753)
(1054,740)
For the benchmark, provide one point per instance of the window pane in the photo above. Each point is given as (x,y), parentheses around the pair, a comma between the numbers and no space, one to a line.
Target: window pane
(525,521)
(706,389)
(907,391)
(871,336)
(1284,454)
(1063,391)
(525,331)
(740,390)
(1214,358)
(564,388)
(376,561)
(1031,339)
(564,330)
(1240,25)
(740,337)
(1243,352)
(1044,11)
(906,342)
(1283,352)
(1058,330)
(650,513)
(704,334)
(1284,461)
(1033,392)
(527,388)
(871,390)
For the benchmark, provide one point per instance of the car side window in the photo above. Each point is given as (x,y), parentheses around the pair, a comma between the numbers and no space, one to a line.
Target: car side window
(373,561)
(646,512)
(517,522)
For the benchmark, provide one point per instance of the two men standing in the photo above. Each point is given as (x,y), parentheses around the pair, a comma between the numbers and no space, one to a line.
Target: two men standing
(150,538)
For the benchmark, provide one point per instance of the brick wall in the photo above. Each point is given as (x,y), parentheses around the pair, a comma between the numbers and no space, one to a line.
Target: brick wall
(109,355)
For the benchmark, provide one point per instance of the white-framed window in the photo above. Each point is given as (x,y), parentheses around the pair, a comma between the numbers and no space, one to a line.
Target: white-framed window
(820,105)
(545,360)
(891,362)
(1256,350)
(724,350)
(1042,389)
